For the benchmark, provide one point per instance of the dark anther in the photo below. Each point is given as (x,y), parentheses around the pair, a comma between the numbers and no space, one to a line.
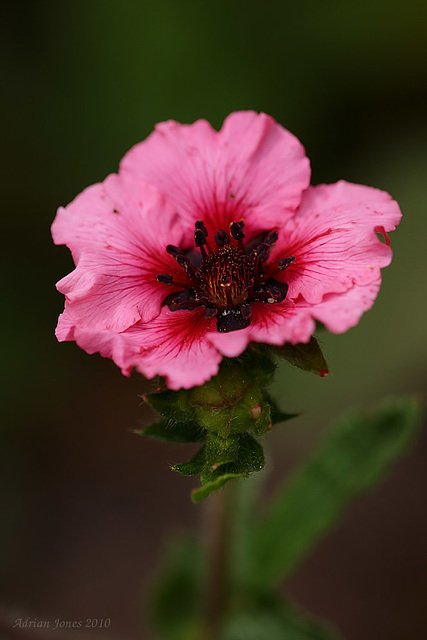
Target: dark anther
(173,251)
(180,300)
(185,263)
(231,320)
(246,311)
(222,238)
(271,238)
(201,226)
(285,263)
(276,291)
(211,312)
(226,278)
(199,238)
(261,252)
(236,230)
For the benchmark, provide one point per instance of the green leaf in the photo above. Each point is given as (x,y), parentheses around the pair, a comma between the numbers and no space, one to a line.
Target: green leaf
(173,431)
(357,452)
(277,415)
(193,466)
(308,357)
(274,620)
(175,602)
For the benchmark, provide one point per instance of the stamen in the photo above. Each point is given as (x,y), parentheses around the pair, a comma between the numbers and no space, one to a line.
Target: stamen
(222,238)
(236,230)
(201,226)
(246,311)
(271,239)
(276,291)
(211,312)
(200,241)
(185,263)
(285,263)
(226,286)
(173,251)
(182,300)
(261,252)
(199,238)
(231,320)
(229,278)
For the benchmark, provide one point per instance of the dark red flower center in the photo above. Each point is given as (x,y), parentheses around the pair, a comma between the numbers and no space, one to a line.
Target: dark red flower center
(227,279)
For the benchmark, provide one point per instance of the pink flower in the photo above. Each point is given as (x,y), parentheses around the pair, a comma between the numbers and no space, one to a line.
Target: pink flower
(205,241)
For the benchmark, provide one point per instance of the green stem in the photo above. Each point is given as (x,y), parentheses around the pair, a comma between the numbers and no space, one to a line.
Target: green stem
(218,523)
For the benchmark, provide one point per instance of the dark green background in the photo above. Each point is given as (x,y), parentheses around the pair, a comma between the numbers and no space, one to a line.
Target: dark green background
(86,506)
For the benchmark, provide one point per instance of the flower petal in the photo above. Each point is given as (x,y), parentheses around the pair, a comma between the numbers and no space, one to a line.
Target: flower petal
(280,323)
(253,168)
(333,237)
(172,345)
(294,321)
(340,312)
(175,346)
(117,231)
(230,344)
(123,349)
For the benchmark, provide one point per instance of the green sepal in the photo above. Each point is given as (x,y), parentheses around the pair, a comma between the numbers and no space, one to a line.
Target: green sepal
(308,357)
(226,412)
(240,454)
(218,452)
(205,490)
(174,431)
(235,379)
(276,414)
(228,458)
(249,413)
(233,401)
(193,466)
(171,404)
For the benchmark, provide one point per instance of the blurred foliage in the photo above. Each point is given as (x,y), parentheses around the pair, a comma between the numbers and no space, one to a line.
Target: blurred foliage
(357,452)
